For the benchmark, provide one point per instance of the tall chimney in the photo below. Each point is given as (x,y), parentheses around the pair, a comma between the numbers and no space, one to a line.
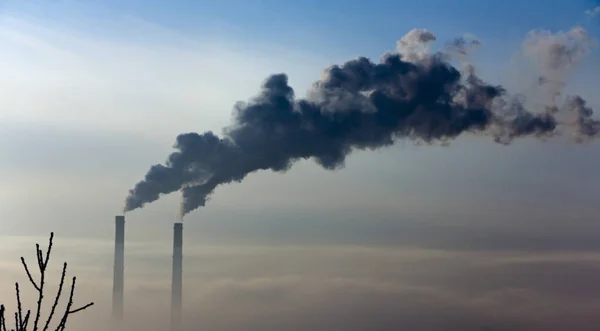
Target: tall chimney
(176,283)
(119,269)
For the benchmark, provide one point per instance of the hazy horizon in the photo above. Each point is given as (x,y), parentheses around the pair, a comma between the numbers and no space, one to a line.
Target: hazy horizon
(470,236)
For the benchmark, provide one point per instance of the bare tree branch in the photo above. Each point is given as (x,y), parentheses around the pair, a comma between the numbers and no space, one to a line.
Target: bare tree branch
(81,308)
(50,242)
(22,320)
(2,318)
(19,312)
(29,274)
(39,255)
(26,320)
(68,311)
(57,297)
(42,264)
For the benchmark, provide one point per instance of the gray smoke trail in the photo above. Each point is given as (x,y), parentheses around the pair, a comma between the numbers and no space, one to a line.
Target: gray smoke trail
(415,45)
(412,94)
(556,56)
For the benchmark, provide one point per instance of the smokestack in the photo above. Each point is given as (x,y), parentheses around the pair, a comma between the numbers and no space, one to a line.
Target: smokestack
(119,268)
(176,284)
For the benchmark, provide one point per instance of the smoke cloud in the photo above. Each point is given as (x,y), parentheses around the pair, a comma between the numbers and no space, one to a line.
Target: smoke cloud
(555,56)
(411,94)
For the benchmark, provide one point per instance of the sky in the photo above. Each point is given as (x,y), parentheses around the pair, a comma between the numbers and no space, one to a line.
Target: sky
(471,236)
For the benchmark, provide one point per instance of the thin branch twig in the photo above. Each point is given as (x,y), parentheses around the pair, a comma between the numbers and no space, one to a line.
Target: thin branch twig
(39,255)
(29,274)
(26,320)
(68,311)
(57,297)
(2,318)
(22,321)
(19,313)
(42,264)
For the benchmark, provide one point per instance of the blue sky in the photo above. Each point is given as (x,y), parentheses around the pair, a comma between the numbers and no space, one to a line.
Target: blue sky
(91,75)
(94,92)
(353,25)
(329,27)
(100,79)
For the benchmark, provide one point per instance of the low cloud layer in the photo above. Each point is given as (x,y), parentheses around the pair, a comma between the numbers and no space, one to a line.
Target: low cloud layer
(342,287)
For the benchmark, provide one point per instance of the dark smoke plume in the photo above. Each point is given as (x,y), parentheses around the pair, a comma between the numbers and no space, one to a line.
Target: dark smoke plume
(411,94)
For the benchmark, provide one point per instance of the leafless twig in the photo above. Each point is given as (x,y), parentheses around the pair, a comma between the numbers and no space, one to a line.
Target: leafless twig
(22,320)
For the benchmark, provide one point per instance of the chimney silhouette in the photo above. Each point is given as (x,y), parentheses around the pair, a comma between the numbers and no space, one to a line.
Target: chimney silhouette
(176,283)
(119,269)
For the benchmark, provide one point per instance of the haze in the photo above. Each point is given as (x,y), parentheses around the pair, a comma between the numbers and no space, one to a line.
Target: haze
(471,236)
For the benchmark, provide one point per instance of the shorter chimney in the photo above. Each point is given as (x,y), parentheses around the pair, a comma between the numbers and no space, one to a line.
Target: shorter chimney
(119,269)
(176,283)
